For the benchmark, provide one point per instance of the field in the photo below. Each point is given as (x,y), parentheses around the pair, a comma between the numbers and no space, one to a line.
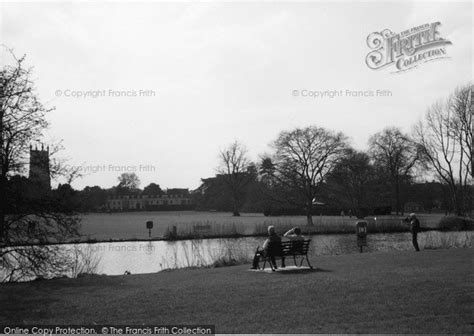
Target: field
(381,292)
(131,226)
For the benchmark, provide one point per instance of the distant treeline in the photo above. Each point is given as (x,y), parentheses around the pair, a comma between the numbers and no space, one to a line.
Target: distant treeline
(376,199)
(213,195)
(328,211)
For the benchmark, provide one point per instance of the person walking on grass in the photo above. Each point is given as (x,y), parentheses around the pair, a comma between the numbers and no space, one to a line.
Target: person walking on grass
(271,247)
(414,229)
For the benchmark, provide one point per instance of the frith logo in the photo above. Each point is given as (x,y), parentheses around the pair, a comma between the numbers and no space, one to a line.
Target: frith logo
(407,49)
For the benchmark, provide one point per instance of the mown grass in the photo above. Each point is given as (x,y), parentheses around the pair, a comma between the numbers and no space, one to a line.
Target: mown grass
(395,292)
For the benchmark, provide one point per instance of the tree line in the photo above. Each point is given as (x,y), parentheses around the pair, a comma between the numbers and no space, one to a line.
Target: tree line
(311,167)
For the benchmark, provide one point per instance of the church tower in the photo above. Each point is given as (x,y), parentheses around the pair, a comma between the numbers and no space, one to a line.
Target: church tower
(39,167)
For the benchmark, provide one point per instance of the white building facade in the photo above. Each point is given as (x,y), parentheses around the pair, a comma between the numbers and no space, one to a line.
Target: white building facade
(140,202)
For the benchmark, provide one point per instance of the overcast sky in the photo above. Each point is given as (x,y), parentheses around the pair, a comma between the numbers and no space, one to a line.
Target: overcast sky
(211,73)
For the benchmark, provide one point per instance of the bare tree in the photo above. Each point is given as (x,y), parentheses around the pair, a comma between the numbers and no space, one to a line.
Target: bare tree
(446,139)
(21,121)
(461,102)
(397,155)
(128,182)
(352,178)
(59,167)
(303,159)
(34,217)
(237,172)
(83,260)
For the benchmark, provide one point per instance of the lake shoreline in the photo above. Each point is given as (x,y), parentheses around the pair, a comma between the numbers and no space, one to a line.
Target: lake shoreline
(229,236)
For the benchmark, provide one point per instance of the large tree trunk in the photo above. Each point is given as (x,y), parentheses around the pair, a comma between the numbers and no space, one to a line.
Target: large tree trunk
(309,213)
(3,173)
(460,209)
(235,206)
(2,226)
(456,199)
(397,195)
(2,209)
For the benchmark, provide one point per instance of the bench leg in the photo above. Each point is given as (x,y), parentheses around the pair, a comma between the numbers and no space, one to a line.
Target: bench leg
(271,264)
(296,260)
(307,260)
(265,263)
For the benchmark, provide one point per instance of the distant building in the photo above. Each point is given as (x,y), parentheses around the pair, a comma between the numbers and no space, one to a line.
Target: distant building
(39,173)
(171,199)
(413,207)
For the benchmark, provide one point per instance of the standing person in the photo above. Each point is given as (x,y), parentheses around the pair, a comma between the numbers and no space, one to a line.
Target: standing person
(414,228)
(271,247)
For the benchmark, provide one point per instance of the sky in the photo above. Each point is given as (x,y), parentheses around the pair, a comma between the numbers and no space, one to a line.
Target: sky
(159,88)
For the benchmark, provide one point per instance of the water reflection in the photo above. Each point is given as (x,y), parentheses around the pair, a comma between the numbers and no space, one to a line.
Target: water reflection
(153,256)
(148,257)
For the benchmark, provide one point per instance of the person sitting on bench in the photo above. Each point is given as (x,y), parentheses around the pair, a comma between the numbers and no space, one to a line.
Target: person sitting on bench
(270,248)
(294,234)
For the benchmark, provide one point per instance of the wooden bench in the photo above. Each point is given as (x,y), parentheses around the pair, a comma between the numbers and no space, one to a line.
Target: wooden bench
(291,248)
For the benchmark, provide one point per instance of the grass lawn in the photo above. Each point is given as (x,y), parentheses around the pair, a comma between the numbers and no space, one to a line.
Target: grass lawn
(131,225)
(391,292)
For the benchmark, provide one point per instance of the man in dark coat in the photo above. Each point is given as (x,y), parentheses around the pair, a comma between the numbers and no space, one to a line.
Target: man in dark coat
(414,228)
(271,248)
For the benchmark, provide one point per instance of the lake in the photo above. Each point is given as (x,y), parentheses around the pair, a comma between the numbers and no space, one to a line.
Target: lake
(155,256)
(116,258)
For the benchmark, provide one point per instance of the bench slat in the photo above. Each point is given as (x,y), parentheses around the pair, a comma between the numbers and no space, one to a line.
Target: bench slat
(294,247)
(290,248)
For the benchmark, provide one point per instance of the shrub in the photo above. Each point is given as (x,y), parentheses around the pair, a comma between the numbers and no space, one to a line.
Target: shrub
(455,223)
(436,240)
